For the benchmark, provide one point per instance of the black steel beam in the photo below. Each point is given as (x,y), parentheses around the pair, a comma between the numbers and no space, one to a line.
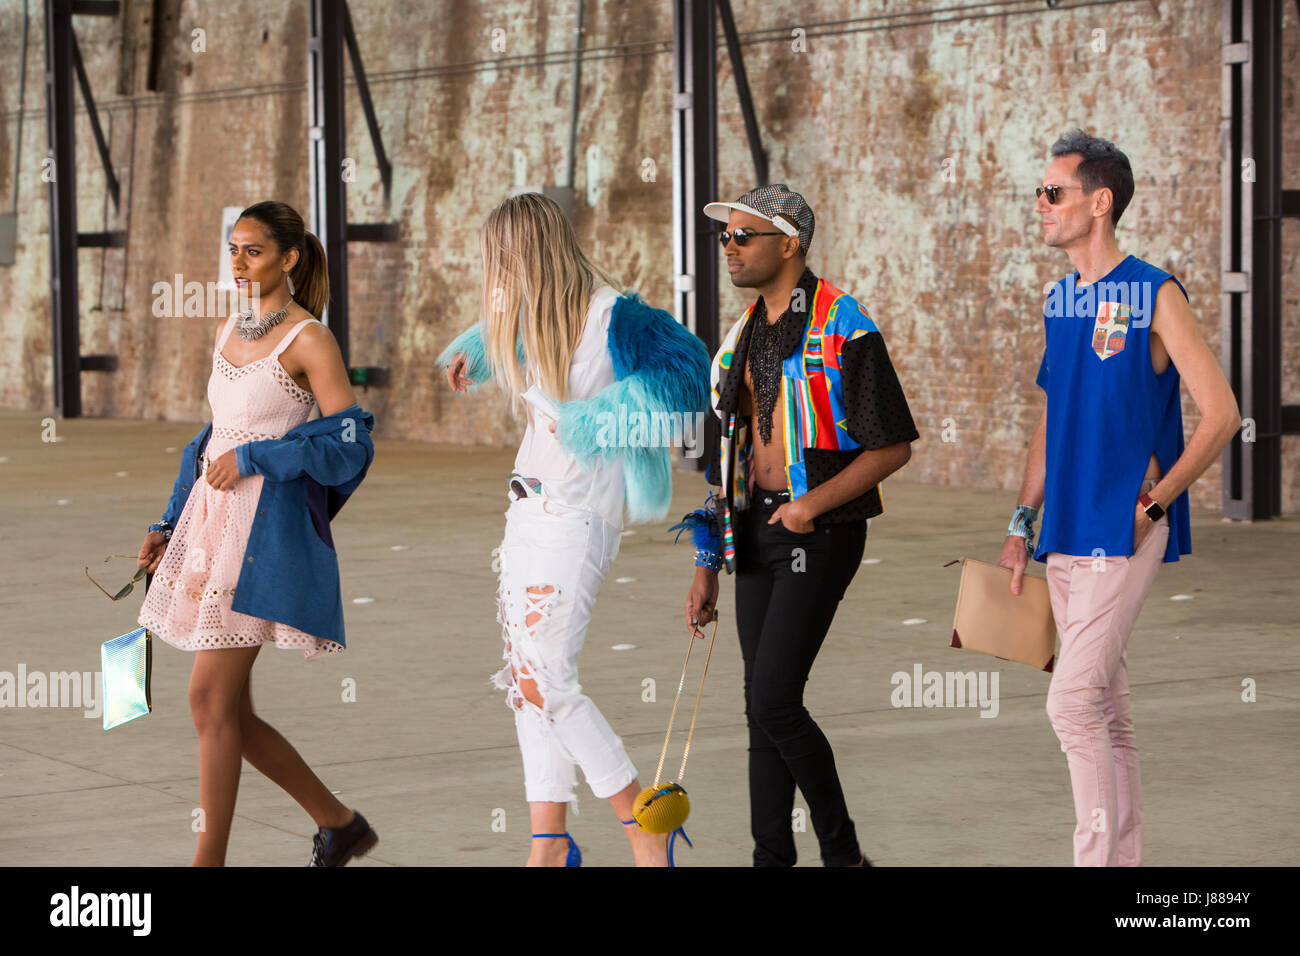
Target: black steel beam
(756,150)
(330,31)
(96,8)
(1266,281)
(115,239)
(155,46)
(99,363)
(1291,419)
(372,232)
(695,179)
(370,375)
(363,89)
(704,120)
(95,128)
(1254,207)
(65,342)
(695,147)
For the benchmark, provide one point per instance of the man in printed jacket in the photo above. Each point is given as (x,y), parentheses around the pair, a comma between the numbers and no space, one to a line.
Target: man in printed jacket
(813,419)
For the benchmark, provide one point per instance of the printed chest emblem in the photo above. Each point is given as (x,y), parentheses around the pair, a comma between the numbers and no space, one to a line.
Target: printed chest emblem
(1110,330)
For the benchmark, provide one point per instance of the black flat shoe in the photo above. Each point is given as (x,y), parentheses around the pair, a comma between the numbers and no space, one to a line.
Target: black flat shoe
(335,846)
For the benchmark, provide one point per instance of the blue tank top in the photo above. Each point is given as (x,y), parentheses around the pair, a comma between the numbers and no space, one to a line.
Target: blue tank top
(1108,412)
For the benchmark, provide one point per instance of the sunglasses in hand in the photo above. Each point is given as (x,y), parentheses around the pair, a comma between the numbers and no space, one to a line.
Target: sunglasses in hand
(139,574)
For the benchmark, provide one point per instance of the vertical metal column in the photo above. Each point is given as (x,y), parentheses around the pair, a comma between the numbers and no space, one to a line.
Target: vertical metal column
(328,191)
(1252,252)
(65,341)
(695,176)
(63,68)
(695,166)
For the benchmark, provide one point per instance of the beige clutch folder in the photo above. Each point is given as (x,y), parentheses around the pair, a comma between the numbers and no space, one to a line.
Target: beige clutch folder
(989,618)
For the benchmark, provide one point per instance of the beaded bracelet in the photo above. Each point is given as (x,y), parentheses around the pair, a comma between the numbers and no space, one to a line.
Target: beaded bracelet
(163,528)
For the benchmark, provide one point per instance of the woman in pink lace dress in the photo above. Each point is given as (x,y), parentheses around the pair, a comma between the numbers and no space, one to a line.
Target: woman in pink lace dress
(265,381)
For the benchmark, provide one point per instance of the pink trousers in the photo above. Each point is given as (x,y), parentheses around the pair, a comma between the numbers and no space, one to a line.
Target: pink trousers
(1096,601)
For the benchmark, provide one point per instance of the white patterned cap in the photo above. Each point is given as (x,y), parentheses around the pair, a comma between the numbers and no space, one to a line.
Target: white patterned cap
(768,202)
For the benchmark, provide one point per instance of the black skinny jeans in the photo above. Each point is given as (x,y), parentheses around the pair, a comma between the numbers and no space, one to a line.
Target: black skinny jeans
(783,611)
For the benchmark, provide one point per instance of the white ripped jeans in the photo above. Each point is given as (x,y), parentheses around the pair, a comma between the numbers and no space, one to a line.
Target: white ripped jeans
(553,559)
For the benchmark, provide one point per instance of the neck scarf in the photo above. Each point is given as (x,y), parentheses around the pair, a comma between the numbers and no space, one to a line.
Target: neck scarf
(773,343)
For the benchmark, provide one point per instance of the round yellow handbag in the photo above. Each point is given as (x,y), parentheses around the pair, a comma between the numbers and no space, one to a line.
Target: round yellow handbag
(664,806)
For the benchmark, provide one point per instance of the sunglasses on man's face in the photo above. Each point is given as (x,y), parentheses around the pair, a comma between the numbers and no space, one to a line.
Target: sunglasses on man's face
(1053,192)
(139,574)
(742,236)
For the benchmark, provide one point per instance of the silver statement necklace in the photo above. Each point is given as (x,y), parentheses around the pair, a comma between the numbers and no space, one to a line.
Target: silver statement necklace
(249,329)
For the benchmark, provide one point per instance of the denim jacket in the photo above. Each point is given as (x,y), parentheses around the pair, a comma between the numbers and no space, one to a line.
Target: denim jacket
(290,570)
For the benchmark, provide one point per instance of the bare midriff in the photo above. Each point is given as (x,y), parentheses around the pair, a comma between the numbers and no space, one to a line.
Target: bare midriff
(767,461)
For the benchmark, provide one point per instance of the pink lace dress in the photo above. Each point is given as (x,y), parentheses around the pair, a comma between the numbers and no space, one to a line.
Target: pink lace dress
(189,602)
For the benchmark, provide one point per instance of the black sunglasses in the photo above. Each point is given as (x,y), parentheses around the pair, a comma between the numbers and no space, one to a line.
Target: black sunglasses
(1053,192)
(742,236)
(142,572)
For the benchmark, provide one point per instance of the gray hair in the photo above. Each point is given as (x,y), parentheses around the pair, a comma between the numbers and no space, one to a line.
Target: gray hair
(1103,164)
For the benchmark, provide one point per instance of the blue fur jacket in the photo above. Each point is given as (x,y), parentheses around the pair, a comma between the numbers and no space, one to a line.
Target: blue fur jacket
(660,368)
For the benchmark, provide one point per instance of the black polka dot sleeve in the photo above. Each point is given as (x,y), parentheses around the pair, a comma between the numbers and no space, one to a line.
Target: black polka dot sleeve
(875,408)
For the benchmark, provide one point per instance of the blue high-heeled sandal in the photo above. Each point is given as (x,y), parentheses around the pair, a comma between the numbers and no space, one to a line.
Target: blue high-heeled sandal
(671,839)
(575,855)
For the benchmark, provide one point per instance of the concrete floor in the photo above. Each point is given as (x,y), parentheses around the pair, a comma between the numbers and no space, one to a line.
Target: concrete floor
(428,751)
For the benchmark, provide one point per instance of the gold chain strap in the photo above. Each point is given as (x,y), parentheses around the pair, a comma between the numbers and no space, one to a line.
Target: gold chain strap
(673,715)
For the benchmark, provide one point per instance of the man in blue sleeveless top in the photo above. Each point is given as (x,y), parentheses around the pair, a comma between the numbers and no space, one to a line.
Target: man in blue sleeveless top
(1108,465)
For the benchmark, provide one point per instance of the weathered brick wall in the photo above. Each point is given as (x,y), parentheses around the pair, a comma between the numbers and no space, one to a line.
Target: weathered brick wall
(858,115)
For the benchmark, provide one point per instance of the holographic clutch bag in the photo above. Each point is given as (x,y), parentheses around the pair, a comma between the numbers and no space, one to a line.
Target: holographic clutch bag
(127,662)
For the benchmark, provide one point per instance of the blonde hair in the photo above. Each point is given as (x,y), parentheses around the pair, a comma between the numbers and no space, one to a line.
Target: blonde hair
(537,286)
